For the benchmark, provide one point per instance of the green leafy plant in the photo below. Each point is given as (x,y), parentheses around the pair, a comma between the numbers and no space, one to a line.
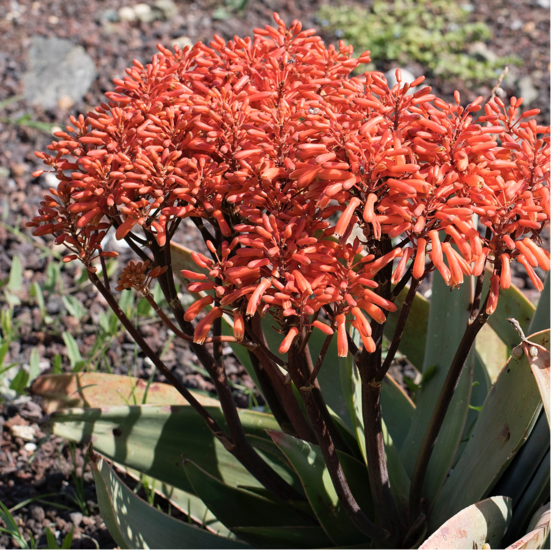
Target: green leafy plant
(434,33)
(24,120)
(78,496)
(12,529)
(324,201)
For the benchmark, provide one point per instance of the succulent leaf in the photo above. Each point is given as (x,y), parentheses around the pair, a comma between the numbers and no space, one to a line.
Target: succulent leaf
(237,507)
(415,333)
(478,525)
(310,467)
(133,523)
(449,314)
(285,537)
(150,439)
(99,389)
(506,418)
(538,531)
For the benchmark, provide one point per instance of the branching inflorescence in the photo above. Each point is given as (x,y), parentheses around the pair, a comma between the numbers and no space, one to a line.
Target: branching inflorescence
(320,189)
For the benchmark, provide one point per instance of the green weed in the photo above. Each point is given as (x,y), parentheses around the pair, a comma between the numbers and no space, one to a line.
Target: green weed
(434,33)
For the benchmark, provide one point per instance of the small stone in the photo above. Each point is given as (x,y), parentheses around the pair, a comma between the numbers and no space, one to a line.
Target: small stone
(30,447)
(126,13)
(481,51)
(53,19)
(110,16)
(65,102)
(515,24)
(18,170)
(529,27)
(54,305)
(4,172)
(527,90)
(38,514)
(144,13)
(182,41)
(545,4)
(15,420)
(88,521)
(168,9)
(51,179)
(24,432)
(407,77)
(76,518)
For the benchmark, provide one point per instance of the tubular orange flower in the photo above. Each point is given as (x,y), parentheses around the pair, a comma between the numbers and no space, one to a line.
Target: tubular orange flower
(203,327)
(288,340)
(254,300)
(269,152)
(327,330)
(342,339)
(419,263)
(198,306)
(238,325)
(505,279)
(344,220)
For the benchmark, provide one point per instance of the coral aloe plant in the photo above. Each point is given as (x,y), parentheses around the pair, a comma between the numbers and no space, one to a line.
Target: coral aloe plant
(324,200)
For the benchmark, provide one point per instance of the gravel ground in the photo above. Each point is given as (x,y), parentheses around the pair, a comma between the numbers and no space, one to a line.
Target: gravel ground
(106,40)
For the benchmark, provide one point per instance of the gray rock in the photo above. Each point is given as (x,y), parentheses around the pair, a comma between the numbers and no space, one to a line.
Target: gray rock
(54,305)
(511,78)
(109,16)
(481,51)
(543,4)
(126,13)
(527,90)
(407,77)
(76,518)
(182,41)
(38,514)
(144,13)
(168,8)
(57,68)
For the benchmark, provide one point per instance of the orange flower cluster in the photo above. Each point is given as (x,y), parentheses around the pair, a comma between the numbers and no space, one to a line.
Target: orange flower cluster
(138,276)
(303,170)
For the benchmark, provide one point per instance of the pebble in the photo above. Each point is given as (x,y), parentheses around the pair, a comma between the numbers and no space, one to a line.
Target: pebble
(168,8)
(144,13)
(126,13)
(527,90)
(24,432)
(18,170)
(65,102)
(407,77)
(30,447)
(54,305)
(182,41)
(51,179)
(38,514)
(481,50)
(76,518)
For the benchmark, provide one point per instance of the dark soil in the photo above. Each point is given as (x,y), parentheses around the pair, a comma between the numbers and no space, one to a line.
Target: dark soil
(519,27)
